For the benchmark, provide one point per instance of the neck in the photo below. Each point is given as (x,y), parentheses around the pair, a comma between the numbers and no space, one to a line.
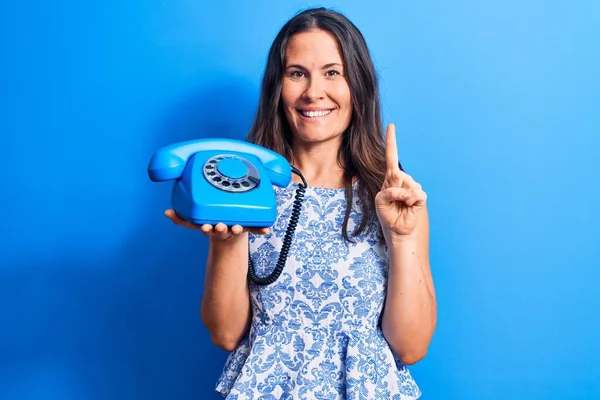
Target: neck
(319,165)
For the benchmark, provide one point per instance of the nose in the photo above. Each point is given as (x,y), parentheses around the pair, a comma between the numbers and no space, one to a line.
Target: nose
(315,89)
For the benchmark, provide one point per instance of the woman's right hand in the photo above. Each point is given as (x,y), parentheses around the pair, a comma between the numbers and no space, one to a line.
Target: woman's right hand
(219,231)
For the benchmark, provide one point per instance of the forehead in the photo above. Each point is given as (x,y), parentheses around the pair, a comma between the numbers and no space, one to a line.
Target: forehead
(313,47)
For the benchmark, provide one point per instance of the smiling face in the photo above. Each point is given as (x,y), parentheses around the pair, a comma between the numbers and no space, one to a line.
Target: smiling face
(315,94)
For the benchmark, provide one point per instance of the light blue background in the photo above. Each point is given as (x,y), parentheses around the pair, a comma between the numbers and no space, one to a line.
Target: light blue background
(497,109)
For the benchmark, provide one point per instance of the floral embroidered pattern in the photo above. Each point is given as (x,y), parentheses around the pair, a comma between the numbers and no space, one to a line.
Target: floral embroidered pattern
(315,332)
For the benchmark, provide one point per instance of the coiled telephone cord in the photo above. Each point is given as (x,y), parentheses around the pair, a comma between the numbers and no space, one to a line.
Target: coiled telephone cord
(287,239)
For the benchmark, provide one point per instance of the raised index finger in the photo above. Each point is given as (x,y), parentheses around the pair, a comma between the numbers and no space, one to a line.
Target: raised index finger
(391,151)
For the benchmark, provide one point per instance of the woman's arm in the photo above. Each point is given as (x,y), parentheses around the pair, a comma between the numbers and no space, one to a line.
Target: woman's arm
(225,308)
(410,313)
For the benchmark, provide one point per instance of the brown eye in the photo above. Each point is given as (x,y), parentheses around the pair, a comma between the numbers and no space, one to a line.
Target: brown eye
(296,74)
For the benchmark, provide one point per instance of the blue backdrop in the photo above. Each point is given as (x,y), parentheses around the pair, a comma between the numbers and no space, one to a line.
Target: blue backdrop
(497,109)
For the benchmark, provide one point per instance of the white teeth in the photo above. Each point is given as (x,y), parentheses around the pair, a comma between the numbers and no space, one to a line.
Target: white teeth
(313,114)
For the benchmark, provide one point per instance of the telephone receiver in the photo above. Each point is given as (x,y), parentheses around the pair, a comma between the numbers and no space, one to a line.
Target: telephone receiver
(222,180)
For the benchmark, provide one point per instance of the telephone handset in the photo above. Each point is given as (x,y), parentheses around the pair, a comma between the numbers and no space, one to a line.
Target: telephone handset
(228,181)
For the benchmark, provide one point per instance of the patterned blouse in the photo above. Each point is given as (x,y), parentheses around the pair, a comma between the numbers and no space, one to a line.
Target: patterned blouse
(315,332)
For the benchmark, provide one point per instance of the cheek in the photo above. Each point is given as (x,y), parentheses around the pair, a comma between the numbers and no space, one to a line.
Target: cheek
(343,97)
(286,102)
(288,95)
(345,104)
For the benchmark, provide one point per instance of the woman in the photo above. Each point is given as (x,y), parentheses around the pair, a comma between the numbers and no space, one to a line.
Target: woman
(321,330)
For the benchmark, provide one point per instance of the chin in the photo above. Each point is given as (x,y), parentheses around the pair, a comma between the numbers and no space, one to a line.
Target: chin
(315,136)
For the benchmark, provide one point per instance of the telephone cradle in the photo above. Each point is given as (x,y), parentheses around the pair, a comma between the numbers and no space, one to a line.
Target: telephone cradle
(228,181)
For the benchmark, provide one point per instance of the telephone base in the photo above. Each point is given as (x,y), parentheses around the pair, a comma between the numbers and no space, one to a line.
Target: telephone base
(250,215)
(222,180)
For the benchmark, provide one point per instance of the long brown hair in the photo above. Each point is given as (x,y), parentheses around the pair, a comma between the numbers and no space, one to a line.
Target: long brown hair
(362,153)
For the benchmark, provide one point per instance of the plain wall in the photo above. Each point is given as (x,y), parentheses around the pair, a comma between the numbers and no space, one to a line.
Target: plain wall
(497,109)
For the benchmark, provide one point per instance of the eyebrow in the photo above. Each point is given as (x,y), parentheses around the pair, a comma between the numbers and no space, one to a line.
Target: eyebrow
(323,67)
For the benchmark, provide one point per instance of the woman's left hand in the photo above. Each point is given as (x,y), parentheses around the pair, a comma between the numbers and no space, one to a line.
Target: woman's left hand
(401,199)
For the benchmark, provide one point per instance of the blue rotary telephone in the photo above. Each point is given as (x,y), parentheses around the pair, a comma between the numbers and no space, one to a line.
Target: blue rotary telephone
(228,181)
